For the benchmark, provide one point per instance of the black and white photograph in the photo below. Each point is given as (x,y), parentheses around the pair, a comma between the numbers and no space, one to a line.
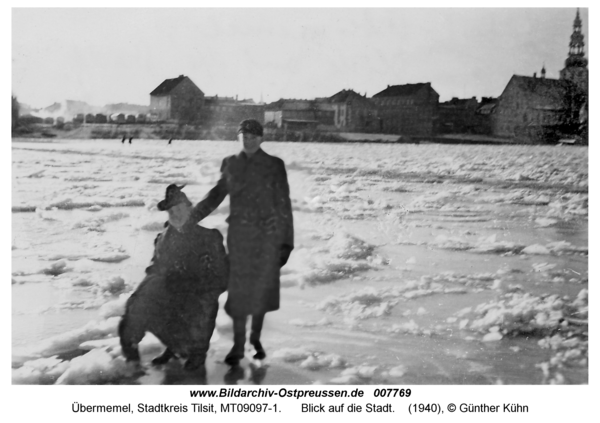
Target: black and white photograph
(299,196)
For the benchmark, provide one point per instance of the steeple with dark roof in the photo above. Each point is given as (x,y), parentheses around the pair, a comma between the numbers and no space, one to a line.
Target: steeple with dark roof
(576,55)
(576,70)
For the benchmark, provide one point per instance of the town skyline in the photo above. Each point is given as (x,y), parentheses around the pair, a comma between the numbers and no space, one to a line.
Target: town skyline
(104,56)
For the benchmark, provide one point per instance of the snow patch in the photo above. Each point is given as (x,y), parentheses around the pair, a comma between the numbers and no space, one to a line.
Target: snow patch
(98,366)
(97,223)
(292,355)
(114,257)
(69,341)
(363,304)
(355,375)
(42,371)
(307,324)
(525,314)
(114,285)
(343,256)
(114,308)
(535,249)
(317,361)
(543,222)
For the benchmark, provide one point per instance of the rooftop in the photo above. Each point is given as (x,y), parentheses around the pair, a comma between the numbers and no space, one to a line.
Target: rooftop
(403,90)
(167,86)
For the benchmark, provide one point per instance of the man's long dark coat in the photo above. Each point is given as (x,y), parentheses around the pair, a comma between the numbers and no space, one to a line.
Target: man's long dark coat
(260,224)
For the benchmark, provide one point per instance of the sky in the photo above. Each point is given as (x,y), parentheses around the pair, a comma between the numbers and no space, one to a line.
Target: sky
(114,55)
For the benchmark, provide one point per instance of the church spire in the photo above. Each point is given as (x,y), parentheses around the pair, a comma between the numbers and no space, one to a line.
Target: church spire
(576,55)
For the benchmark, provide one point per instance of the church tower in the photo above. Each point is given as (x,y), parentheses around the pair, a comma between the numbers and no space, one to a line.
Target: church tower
(575,69)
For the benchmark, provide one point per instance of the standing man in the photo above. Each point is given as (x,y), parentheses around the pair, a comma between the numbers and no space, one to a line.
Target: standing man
(260,236)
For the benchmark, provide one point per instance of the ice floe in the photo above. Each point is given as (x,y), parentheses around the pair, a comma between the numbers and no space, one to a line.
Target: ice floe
(98,366)
(343,256)
(525,314)
(70,340)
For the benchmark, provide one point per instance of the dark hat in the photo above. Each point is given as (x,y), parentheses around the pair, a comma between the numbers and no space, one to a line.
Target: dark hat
(173,196)
(251,126)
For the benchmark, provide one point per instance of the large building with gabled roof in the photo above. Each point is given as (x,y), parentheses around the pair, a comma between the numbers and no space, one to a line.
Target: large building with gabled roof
(529,107)
(409,109)
(177,99)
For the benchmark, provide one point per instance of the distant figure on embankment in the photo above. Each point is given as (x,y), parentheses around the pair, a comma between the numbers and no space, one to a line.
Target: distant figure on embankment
(170,140)
(130,140)
(123,140)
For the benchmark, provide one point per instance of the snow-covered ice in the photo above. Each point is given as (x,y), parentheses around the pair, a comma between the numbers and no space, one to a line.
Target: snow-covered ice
(407,259)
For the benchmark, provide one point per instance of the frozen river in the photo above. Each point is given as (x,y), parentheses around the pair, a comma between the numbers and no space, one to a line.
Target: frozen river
(414,264)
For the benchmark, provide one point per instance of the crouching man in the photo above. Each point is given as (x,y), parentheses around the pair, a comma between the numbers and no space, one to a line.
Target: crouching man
(178,299)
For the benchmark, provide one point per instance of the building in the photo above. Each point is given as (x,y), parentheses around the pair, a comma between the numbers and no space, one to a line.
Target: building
(229,111)
(354,112)
(409,109)
(457,116)
(543,109)
(484,114)
(299,114)
(529,107)
(466,116)
(177,99)
(324,113)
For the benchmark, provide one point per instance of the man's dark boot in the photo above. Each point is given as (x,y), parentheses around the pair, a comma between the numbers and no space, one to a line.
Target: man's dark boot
(239,340)
(130,351)
(163,358)
(257,322)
